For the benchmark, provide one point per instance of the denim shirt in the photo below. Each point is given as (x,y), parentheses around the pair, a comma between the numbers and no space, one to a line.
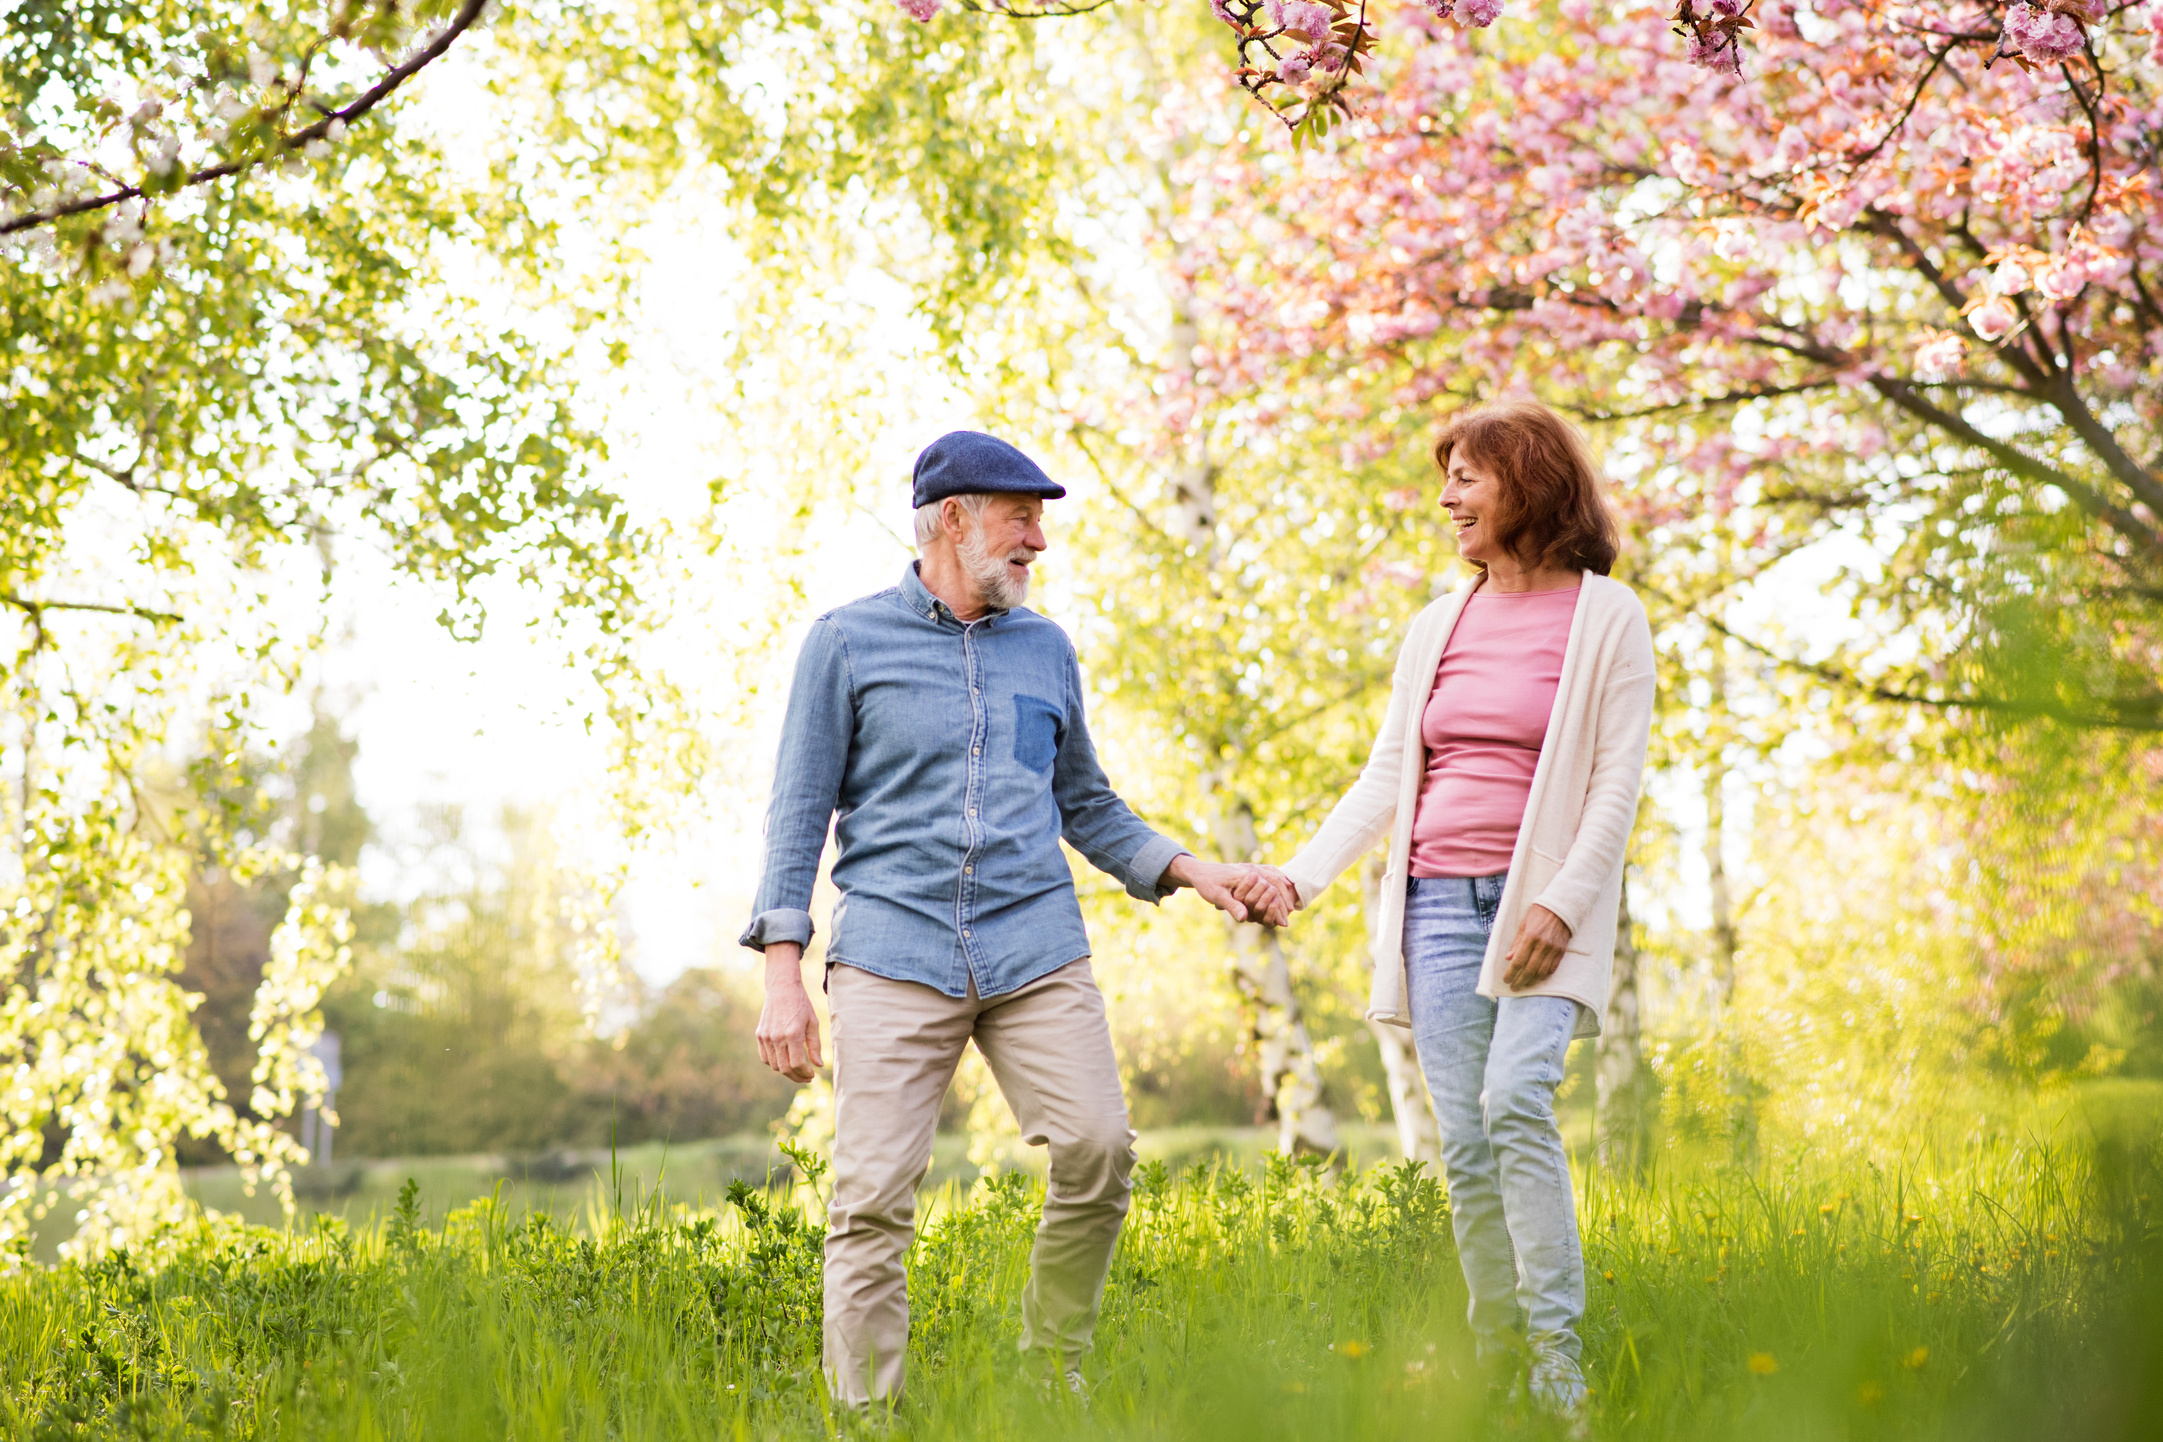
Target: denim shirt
(955,756)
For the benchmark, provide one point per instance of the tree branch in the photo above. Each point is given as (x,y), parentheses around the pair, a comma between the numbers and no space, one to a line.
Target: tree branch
(2003,705)
(36,609)
(375,95)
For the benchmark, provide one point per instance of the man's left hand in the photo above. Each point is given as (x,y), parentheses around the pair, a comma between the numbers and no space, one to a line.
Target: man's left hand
(1537,951)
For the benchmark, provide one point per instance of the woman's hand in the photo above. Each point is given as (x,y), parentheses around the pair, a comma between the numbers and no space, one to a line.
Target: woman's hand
(1537,951)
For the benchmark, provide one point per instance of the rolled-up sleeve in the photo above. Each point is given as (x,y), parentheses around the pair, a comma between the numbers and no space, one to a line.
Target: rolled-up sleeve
(1094,820)
(815,736)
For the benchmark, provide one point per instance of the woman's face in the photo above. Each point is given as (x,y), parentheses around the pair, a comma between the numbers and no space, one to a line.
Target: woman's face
(1470,494)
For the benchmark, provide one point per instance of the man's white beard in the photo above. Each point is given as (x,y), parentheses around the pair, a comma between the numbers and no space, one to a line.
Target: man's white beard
(999,590)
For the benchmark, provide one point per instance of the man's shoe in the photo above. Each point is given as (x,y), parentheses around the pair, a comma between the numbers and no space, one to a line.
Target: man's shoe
(1068,1379)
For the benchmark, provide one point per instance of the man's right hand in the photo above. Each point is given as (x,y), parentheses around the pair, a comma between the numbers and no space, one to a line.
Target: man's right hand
(788,1025)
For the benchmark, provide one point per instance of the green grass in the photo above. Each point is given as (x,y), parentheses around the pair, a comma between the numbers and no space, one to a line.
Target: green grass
(2003,1291)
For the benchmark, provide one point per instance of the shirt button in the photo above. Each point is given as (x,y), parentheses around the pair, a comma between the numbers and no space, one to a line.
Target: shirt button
(972,811)
(968,871)
(976,750)
(966,932)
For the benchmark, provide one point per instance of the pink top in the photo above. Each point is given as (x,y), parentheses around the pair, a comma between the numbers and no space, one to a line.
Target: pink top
(1483,727)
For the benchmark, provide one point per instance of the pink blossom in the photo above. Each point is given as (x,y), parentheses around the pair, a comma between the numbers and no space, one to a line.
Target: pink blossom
(1992,316)
(1444,9)
(1329,58)
(1293,69)
(920,10)
(1482,12)
(1303,20)
(1224,12)
(2045,36)
(1941,357)
(1719,53)
(1728,9)
(2061,278)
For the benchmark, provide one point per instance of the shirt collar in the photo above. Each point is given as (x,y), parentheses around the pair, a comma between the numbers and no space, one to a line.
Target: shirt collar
(930,607)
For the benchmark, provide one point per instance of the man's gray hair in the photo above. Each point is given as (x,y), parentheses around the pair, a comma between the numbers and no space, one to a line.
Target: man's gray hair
(927,517)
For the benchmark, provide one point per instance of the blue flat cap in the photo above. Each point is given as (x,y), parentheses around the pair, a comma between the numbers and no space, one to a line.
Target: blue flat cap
(962,463)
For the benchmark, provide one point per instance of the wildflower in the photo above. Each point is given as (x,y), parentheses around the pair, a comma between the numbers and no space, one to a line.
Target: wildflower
(1914,1360)
(1482,13)
(1870,1394)
(1762,1364)
(1825,1209)
(2044,36)
(1355,1350)
(920,10)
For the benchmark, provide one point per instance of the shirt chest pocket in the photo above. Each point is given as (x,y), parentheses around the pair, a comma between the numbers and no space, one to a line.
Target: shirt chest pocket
(1037,724)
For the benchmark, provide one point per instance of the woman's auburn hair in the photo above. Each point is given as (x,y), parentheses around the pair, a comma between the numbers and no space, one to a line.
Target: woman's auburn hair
(1554,509)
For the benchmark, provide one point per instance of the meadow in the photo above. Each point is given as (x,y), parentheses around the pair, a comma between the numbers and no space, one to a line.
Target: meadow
(2008,1287)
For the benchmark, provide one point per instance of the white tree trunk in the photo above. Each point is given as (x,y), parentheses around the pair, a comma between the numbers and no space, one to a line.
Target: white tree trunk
(1291,1075)
(1409,1106)
(1723,902)
(1618,1059)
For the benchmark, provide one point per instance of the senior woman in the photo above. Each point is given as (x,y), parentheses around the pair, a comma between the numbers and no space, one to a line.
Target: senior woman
(1506,780)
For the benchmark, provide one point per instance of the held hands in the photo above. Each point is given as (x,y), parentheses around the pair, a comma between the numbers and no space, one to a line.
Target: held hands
(788,1026)
(1257,893)
(1537,951)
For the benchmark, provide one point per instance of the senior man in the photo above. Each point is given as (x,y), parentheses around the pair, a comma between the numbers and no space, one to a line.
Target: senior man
(943,723)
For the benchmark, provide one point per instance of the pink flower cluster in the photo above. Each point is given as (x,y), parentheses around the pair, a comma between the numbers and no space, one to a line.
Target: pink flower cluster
(2043,34)
(1717,52)
(1480,13)
(1306,23)
(920,10)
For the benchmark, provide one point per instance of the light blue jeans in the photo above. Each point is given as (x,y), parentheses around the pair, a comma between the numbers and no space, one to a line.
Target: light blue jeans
(1492,1068)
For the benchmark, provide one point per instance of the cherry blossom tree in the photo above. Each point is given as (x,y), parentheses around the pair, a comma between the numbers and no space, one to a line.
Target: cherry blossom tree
(1883,285)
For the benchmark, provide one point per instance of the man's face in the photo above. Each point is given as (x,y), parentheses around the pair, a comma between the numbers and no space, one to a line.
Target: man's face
(998,547)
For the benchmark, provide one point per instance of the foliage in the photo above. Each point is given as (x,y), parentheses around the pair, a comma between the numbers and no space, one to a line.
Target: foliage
(252,320)
(1996,1292)
(496,1018)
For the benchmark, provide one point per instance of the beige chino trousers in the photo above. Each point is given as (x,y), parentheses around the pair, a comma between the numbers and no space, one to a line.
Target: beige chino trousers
(896,1044)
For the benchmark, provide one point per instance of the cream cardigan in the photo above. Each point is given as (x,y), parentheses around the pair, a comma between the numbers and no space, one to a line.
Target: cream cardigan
(1577,817)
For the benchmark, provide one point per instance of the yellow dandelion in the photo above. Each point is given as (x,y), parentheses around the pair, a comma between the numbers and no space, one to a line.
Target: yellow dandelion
(1610,1276)
(1762,1364)
(1354,1350)
(1870,1394)
(1915,1359)
(1827,1209)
